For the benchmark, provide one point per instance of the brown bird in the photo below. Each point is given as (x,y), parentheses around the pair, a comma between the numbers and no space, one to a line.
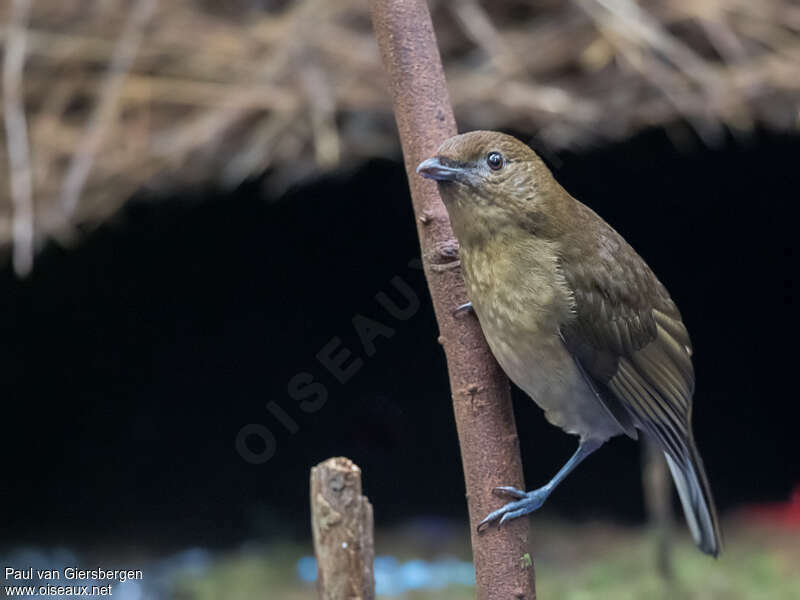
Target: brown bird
(573,315)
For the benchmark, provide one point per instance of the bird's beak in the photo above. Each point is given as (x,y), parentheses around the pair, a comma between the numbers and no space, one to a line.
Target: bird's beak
(438,169)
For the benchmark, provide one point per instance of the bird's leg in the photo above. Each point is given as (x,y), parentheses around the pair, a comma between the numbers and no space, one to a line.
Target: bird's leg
(467,306)
(527,502)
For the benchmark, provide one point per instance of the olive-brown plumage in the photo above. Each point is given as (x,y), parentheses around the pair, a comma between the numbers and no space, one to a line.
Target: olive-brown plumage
(573,314)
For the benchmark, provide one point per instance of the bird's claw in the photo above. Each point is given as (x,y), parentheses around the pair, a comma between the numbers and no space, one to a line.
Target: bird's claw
(507,490)
(466,307)
(526,502)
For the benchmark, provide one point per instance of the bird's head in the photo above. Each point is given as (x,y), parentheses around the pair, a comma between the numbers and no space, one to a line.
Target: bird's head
(490,180)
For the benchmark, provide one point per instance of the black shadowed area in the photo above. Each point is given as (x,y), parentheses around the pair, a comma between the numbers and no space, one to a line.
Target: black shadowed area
(132,361)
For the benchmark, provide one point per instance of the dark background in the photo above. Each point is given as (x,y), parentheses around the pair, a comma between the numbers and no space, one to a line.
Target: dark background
(130,362)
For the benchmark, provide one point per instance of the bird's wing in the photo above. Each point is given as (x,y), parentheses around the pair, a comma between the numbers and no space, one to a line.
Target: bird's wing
(629,340)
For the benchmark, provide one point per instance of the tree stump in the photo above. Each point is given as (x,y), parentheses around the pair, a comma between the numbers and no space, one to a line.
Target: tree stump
(342,526)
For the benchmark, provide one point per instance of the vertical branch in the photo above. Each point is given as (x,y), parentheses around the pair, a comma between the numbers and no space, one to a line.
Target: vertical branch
(19,165)
(481,398)
(658,500)
(341,522)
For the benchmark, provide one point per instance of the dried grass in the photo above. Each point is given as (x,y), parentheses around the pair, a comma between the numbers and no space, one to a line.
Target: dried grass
(104,97)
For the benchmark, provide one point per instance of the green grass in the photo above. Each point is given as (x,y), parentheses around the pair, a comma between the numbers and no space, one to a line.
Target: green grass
(588,562)
(747,571)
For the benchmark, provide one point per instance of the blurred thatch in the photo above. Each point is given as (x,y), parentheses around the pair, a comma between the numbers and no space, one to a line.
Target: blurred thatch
(104,97)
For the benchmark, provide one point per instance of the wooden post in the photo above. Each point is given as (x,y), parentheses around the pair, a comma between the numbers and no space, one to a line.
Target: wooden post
(342,526)
(481,397)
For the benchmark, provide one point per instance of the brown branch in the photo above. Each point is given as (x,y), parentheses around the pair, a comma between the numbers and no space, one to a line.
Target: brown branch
(657,485)
(481,399)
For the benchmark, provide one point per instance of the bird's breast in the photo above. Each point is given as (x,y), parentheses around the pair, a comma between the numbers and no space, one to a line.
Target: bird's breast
(516,285)
(522,301)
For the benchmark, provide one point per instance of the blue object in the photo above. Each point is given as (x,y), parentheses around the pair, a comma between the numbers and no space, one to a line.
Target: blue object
(307,569)
(393,578)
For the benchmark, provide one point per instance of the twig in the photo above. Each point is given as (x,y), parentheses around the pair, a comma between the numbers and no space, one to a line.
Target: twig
(262,144)
(19,164)
(479,27)
(121,61)
(322,107)
(657,485)
(481,399)
(635,34)
(629,21)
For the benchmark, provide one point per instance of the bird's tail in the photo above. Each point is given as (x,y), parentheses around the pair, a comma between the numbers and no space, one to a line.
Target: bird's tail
(698,504)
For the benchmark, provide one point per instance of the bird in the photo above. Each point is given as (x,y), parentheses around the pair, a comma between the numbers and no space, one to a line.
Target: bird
(573,315)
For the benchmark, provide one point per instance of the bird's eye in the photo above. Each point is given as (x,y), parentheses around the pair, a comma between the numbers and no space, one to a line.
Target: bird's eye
(495,161)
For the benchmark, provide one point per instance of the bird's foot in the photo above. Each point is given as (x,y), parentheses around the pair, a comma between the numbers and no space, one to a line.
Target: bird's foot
(526,502)
(466,307)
